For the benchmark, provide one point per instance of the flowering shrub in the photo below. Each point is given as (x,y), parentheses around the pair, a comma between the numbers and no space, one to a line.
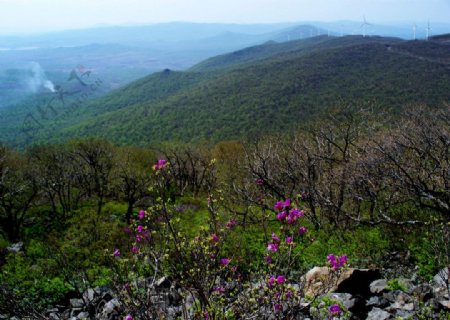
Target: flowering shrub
(202,269)
(329,308)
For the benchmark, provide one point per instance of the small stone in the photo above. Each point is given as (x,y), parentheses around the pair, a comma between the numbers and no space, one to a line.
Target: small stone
(83,315)
(15,247)
(378,314)
(76,303)
(378,286)
(89,295)
(379,302)
(54,316)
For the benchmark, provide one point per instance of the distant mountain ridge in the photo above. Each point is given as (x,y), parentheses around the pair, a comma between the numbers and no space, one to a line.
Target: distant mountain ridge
(274,87)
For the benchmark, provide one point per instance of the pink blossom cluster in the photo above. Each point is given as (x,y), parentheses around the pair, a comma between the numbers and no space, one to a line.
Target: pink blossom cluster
(286,213)
(337,262)
(161,164)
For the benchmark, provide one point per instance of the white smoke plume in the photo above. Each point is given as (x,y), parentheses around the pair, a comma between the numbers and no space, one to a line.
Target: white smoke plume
(38,79)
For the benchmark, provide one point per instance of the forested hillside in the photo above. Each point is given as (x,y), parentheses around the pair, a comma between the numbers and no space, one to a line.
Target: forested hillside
(264,89)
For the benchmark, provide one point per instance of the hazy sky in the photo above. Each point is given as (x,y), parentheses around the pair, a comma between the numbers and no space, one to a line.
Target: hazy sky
(46,15)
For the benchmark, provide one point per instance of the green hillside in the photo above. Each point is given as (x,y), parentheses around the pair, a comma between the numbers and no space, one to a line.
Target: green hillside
(263,89)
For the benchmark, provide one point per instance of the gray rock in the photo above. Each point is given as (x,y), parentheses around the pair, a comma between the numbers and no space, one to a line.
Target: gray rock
(110,310)
(402,306)
(52,310)
(83,315)
(445,304)
(77,303)
(15,247)
(74,312)
(408,284)
(54,316)
(89,295)
(378,286)
(423,292)
(378,314)
(402,297)
(378,302)
(345,298)
(65,314)
(441,278)
(404,314)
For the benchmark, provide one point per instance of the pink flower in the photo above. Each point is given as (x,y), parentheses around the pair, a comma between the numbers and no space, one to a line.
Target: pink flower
(268,259)
(334,310)
(287,203)
(281,279)
(225,261)
(140,228)
(279,206)
(219,290)
(141,214)
(296,213)
(160,165)
(302,230)
(259,182)
(275,237)
(230,224)
(116,253)
(272,247)
(129,317)
(337,262)
(277,307)
(135,249)
(342,260)
(271,281)
(281,216)
(214,238)
(289,294)
(289,240)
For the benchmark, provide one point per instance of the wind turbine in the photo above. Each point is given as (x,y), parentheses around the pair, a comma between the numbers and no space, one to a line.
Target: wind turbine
(428,30)
(414,31)
(364,26)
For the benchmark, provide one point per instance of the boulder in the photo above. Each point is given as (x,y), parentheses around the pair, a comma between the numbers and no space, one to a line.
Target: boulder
(323,280)
(445,304)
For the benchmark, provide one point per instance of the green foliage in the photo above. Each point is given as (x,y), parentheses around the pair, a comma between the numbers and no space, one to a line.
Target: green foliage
(431,251)
(320,309)
(265,89)
(364,246)
(30,283)
(396,284)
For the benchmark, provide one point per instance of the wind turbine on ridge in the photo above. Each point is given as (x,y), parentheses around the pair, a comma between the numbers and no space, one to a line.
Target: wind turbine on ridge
(428,30)
(364,26)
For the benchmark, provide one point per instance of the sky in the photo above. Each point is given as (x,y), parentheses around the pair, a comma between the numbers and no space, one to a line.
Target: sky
(28,16)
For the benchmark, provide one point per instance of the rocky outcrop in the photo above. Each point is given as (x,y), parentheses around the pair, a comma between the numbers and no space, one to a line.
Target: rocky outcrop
(362,292)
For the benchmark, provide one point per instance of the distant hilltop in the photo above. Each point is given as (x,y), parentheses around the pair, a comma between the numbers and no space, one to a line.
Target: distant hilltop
(442,38)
